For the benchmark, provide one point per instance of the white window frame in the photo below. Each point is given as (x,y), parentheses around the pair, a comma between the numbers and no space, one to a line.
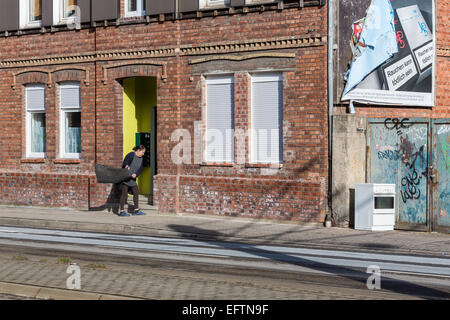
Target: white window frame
(211,80)
(28,119)
(58,13)
(139,9)
(25,23)
(213,3)
(266,77)
(62,120)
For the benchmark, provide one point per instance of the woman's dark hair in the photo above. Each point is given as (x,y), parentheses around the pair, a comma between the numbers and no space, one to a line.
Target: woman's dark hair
(140,147)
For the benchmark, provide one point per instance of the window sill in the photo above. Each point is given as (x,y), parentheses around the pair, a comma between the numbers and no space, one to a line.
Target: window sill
(33,160)
(133,15)
(264,165)
(214,7)
(31,26)
(63,22)
(217,164)
(67,161)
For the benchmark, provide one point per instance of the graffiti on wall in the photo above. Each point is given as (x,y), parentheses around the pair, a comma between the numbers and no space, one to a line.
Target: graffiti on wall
(384,154)
(409,153)
(443,147)
(412,179)
(400,157)
(400,154)
(443,167)
(397,124)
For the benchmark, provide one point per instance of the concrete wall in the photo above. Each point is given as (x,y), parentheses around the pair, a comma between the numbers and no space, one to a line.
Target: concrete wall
(348,161)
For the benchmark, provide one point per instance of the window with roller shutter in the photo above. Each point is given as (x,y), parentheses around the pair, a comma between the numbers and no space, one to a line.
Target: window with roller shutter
(35,120)
(266,118)
(70,120)
(220,119)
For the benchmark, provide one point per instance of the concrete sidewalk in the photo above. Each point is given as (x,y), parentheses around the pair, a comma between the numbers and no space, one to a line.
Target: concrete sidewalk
(44,293)
(212,228)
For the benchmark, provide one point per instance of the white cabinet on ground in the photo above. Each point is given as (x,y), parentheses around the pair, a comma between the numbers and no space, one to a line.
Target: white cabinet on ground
(375,207)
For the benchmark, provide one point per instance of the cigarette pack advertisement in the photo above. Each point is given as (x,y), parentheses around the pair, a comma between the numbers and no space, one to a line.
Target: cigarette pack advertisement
(406,77)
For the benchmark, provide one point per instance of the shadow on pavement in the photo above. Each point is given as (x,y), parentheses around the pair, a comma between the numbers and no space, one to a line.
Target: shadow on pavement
(389,284)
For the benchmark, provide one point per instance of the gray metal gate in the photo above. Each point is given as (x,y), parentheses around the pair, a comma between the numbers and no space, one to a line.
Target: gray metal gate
(413,154)
(398,153)
(440,180)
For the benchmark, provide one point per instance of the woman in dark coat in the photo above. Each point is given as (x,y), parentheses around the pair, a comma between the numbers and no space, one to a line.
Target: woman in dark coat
(133,162)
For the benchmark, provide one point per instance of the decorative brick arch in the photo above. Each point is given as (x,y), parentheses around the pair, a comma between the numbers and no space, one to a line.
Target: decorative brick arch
(29,76)
(135,69)
(79,74)
(49,77)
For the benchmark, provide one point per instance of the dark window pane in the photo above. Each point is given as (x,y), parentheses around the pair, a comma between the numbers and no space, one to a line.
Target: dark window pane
(73,132)
(384,202)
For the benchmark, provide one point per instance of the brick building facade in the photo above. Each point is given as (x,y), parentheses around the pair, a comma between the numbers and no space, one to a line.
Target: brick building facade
(171,59)
(179,46)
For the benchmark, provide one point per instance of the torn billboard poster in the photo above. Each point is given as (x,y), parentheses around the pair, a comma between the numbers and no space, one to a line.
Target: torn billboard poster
(393,55)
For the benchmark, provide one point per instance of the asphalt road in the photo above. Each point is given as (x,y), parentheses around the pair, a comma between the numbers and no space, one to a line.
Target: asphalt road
(168,268)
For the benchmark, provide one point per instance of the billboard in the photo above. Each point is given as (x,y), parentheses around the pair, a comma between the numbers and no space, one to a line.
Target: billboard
(393,54)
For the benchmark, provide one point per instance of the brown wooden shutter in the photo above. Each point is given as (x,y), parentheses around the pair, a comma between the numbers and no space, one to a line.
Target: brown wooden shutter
(9,15)
(85,7)
(47,13)
(105,10)
(154,7)
(237,3)
(188,5)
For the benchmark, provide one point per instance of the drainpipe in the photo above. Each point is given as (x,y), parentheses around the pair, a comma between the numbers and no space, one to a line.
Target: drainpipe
(330,102)
(177,9)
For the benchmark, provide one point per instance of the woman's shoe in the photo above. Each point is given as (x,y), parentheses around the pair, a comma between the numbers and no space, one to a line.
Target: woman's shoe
(139,213)
(123,214)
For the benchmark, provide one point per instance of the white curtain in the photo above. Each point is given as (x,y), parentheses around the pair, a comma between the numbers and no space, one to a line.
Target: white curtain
(73,132)
(38,132)
(73,140)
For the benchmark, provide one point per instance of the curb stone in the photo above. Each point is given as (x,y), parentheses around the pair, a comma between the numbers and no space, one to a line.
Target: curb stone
(43,293)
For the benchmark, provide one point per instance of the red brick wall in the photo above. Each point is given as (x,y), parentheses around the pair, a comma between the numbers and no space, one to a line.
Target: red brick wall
(44,189)
(263,198)
(443,23)
(296,191)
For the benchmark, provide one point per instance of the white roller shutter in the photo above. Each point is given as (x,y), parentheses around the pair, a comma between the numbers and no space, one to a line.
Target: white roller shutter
(35,97)
(266,118)
(70,96)
(220,119)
